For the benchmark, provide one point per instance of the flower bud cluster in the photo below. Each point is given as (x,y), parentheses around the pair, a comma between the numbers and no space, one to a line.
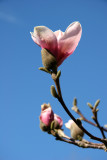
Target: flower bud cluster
(47,118)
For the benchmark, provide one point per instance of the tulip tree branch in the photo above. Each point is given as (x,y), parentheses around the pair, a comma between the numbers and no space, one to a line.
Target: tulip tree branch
(82,117)
(60,99)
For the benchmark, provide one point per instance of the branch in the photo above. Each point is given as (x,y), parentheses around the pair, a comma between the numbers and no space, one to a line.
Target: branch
(83,143)
(60,99)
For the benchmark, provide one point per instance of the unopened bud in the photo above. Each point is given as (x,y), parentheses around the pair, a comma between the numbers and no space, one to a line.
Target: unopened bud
(75,102)
(76,132)
(90,105)
(47,115)
(53,92)
(97,103)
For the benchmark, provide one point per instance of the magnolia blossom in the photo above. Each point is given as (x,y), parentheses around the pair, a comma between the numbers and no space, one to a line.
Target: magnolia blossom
(47,115)
(60,44)
(58,120)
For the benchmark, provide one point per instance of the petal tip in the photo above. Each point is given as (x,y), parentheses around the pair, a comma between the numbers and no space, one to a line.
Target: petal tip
(77,23)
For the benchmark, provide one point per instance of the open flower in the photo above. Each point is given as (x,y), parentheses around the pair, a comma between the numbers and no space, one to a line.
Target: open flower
(60,44)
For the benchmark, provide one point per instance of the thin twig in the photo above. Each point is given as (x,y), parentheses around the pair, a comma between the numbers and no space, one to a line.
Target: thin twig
(96,121)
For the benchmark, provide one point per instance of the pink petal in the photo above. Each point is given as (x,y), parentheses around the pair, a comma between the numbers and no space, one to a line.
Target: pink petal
(33,35)
(45,38)
(58,119)
(69,41)
(58,34)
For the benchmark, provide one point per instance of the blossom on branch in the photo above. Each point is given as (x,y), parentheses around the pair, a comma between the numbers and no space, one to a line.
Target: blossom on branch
(59,44)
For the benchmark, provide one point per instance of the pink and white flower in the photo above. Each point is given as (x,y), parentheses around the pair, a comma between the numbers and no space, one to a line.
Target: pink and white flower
(60,44)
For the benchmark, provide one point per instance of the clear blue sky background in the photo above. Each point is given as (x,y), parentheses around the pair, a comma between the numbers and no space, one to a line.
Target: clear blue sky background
(23,88)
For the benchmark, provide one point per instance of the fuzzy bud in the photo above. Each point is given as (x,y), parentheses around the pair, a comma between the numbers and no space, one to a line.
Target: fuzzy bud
(48,60)
(97,103)
(53,92)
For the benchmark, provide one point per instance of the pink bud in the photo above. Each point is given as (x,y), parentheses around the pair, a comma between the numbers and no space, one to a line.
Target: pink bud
(58,120)
(60,44)
(47,115)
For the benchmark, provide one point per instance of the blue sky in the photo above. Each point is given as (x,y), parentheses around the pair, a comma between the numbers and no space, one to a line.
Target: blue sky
(23,88)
